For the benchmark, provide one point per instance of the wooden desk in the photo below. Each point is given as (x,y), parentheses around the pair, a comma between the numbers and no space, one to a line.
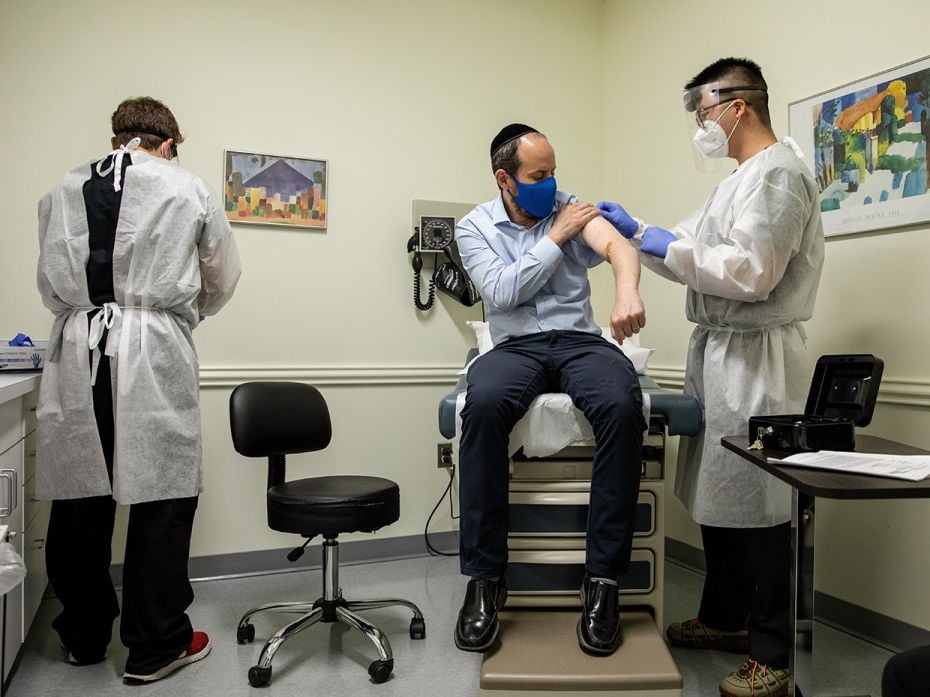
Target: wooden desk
(807,484)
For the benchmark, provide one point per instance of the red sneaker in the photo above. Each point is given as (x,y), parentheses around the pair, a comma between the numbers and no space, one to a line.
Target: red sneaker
(198,649)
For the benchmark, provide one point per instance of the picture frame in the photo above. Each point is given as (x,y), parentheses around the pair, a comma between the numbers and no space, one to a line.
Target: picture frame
(268,189)
(866,143)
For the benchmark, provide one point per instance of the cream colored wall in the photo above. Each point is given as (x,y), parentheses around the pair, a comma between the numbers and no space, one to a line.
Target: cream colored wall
(402,98)
(875,287)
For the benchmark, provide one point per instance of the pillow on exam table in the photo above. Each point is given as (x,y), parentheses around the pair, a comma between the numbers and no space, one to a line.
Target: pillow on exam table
(638,356)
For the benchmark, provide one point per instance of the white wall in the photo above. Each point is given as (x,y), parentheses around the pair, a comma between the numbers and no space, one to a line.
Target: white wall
(402,99)
(875,287)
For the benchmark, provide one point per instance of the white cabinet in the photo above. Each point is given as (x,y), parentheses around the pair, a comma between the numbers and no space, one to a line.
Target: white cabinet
(26,519)
(35,519)
(11,515)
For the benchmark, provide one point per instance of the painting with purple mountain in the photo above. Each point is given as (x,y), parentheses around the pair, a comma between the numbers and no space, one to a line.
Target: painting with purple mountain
(275,190)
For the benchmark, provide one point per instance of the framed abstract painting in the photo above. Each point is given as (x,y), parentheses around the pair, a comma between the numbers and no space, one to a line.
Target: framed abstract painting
(866,143)
(275,190)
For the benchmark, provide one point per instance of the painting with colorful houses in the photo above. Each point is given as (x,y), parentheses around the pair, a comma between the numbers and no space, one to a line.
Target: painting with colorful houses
(272,189)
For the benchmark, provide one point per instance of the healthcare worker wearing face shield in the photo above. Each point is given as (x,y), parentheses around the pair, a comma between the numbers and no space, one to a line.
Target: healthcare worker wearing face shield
(133,250)
(751,258)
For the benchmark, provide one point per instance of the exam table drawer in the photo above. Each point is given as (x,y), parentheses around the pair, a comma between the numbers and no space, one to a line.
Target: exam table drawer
(558,573)
(565,513)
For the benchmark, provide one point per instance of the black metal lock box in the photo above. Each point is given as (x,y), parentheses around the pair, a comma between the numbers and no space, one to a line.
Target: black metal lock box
(842,396)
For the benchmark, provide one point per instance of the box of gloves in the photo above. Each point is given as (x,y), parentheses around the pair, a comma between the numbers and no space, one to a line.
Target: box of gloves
(22,357)
(842,396)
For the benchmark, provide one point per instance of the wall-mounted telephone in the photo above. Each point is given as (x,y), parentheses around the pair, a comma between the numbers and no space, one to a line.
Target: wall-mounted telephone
(434,232)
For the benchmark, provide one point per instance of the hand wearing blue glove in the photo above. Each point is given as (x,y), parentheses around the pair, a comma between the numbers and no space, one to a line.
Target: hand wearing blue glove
(656,241)
(619,218)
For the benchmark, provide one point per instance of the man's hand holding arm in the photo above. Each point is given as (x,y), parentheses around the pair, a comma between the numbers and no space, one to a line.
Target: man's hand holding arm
(571,220)
(629,314)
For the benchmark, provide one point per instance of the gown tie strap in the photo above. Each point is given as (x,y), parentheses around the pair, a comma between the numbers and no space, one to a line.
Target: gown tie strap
(793,144)
(109,317)
(115,159)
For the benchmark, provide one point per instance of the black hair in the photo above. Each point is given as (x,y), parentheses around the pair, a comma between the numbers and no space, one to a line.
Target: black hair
(738,71)
(506,158)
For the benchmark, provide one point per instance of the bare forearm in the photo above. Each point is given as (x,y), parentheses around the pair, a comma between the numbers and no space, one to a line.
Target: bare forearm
(624,260)
(601,236)
(628,315)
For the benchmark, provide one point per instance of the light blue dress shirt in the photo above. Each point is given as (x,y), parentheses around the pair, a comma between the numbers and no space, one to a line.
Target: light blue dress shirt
(527,282)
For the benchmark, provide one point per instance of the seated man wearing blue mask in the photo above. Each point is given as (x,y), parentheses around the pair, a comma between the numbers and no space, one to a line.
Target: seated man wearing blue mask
(528,251)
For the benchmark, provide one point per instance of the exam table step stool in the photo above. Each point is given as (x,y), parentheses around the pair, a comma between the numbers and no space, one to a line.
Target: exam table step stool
(538,653)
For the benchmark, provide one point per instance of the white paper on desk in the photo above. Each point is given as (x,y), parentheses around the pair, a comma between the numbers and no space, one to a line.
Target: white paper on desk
(911,467)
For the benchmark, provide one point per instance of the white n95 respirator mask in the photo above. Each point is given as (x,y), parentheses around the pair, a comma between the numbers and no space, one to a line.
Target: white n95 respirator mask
(712,140)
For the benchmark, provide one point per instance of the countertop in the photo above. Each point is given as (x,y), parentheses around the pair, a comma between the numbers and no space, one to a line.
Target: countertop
(17,383)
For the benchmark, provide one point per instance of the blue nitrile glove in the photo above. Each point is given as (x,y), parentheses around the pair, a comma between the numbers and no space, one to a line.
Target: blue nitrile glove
(619,218)
(21,340)
(656,241)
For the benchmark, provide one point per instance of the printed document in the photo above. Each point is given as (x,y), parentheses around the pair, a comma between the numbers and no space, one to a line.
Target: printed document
(911,467)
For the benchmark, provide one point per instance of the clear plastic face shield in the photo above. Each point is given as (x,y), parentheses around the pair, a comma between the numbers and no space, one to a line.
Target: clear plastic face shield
(704,105)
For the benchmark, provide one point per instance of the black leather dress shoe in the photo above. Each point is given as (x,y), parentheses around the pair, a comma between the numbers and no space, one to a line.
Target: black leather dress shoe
(599,631)
(477,625)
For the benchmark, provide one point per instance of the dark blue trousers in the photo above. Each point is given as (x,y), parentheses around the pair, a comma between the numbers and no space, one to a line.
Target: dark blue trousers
(501,385)
(748,585)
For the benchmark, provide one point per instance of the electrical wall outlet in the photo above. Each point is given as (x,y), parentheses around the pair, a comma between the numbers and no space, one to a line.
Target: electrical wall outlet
(444,455)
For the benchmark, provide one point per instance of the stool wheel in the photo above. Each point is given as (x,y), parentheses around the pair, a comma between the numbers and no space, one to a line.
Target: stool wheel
(258,676)
(381,670)
(245,634)
(417,628)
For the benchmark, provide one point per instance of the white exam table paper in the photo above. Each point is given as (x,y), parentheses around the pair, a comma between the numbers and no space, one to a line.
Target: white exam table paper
(551,424)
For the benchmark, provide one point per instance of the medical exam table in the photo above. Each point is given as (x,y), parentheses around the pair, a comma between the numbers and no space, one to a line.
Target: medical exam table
(546,542)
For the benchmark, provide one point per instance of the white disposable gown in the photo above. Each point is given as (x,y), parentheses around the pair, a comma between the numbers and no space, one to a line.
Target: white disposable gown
(751,258)
(174,259)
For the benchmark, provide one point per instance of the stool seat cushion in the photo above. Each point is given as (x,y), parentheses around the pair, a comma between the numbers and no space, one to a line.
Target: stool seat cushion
(333,505)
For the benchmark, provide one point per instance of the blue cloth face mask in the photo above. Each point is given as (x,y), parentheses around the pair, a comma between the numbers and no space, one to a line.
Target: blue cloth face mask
(536,199)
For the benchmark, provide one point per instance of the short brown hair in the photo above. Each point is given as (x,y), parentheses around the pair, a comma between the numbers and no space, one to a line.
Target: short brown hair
(145,118)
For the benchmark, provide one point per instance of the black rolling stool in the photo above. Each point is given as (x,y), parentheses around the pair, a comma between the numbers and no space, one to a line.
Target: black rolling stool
(274,419)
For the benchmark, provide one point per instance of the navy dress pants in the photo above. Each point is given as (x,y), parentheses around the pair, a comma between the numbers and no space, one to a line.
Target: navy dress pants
(748,585)
(156,588)
(501,385)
